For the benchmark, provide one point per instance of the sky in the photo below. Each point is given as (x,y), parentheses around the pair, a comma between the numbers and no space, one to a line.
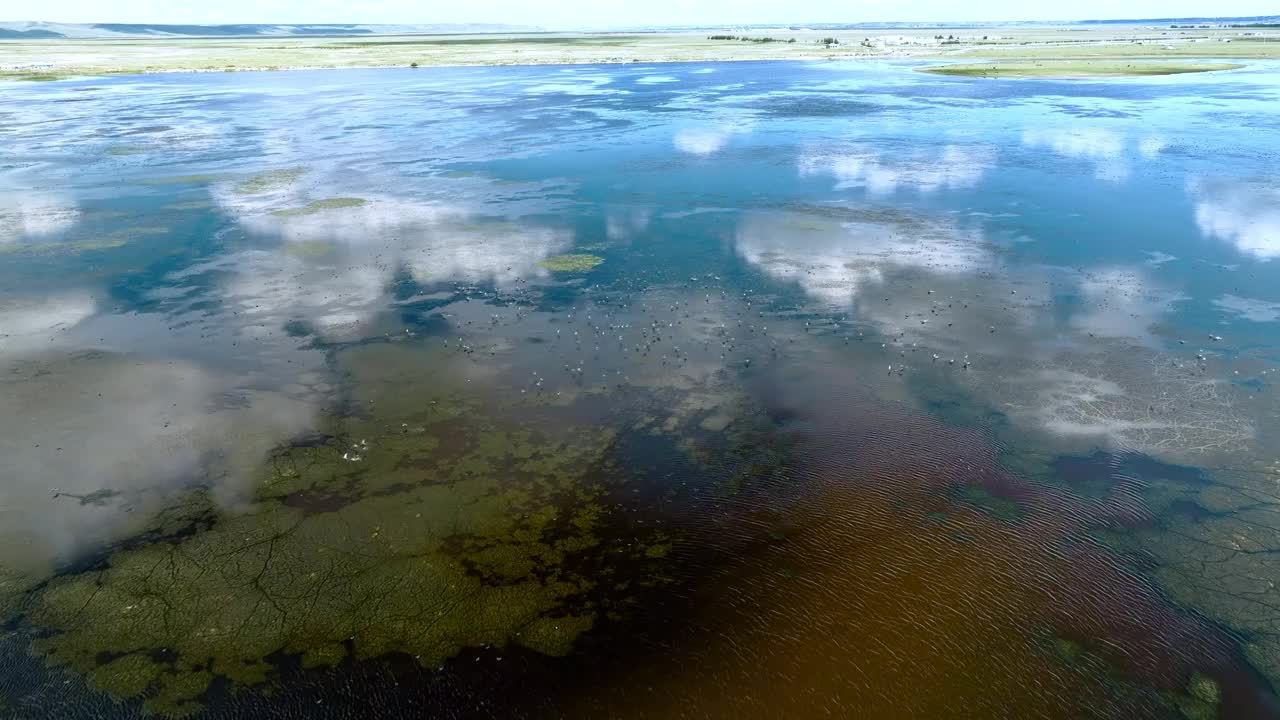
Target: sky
(612,13)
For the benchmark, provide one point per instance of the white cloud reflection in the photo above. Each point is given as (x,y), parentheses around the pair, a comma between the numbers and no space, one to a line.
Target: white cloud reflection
(29,324)
(199,415)
(94,439)
(25,214)
(1104,148)
(1249,308)
(573,84)
(1121,303)
(1245,215)
(834,259)
(704,141)
(335,266)
(78,475)
(953,167)
(623,224)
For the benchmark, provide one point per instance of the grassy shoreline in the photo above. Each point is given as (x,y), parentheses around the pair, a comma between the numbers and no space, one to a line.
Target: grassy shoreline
(58,58)
(1067,69)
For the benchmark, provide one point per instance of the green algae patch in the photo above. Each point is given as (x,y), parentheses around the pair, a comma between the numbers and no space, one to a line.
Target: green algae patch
(420,525)
(110,241)
(125,150)
(320,206)
(571,263)
(1075,69)
(309,249)
(34,78)
(554,635)
(269,181)
(1068,649)
(134,232)
(126,677)
(657,551)
(190,205)
(14,587)
(1201,699)
(181,180)
(323,656)
(1214,548)
(468,557)
(177,696)
(54,248)
(1204,689)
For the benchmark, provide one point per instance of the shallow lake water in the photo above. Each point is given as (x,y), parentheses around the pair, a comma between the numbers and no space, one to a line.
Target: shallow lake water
(742,390)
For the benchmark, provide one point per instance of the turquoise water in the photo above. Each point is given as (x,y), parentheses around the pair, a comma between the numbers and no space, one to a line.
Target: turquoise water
(523,391)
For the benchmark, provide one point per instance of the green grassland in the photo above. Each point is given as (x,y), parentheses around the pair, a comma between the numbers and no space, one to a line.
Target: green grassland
(55,58)
(1077,68)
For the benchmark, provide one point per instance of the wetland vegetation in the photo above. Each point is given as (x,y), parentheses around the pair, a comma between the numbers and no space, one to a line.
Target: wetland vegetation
(63,57)
(1078,69)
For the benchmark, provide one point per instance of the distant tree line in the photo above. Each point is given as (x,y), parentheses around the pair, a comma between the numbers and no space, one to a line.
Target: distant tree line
(744,38)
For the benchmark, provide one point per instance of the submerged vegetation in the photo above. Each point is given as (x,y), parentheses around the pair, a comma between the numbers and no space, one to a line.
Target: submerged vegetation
(309,249)
(319,206)
(1201,699)
(571,263)
(53,248)
(421,529)
(181,180)
(270,181)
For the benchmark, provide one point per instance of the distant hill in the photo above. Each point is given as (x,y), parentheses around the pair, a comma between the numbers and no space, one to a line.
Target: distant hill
(1252,20)
(38,30)
(7,33)
(1258,20)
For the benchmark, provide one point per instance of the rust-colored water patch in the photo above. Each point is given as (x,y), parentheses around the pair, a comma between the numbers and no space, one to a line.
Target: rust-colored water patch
(918,579)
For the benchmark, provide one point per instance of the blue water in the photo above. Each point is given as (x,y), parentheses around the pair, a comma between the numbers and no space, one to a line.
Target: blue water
(807,287)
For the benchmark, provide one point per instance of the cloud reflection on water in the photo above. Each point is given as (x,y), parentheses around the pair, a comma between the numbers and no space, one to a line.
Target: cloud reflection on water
(28,323)
(123,429)
(194,416)
(1121,303)
(705,141)
(1104,148)
(1246,215)
(104,412)
(1070,352)
(31,214)
(1249,308)
(336,265)
(834,259)
(954,167)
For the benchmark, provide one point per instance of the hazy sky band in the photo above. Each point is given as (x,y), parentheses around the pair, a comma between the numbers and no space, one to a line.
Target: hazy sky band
(604,13)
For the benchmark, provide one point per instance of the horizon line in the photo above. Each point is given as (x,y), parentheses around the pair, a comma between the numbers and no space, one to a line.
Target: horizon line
(687,25)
